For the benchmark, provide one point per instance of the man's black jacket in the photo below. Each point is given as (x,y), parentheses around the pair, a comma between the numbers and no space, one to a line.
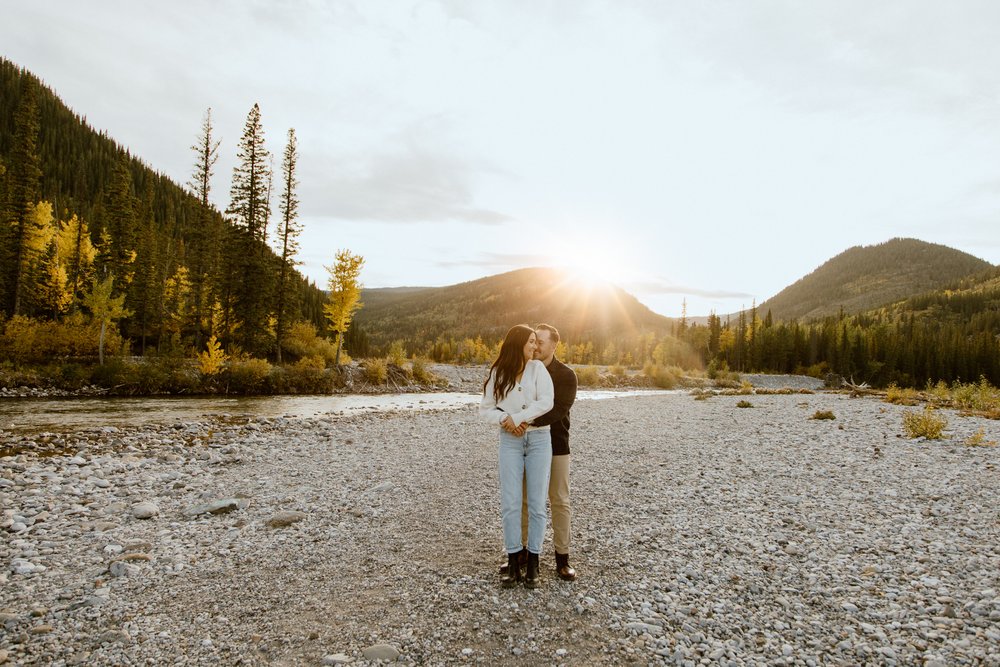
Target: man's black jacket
(564,384)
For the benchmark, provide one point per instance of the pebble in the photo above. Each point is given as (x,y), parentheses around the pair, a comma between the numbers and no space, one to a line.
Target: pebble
(283,519)
(704,535)
(222,506)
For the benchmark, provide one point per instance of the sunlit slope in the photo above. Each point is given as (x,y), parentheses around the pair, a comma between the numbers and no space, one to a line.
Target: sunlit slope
(487,307)
(863,278)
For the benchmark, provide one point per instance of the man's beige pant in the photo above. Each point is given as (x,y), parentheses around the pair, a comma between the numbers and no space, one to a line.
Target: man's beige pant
(558,502)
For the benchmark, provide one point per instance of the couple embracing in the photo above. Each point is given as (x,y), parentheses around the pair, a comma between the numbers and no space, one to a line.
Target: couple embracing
(528,395)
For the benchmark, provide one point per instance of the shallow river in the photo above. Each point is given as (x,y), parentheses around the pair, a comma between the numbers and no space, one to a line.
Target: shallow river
(39,414)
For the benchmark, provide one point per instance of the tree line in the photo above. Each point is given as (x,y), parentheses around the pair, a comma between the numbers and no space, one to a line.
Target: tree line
(91,232)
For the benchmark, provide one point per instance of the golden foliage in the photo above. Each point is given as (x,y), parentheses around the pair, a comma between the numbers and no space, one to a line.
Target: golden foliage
(211,361)
(924,424)
(376,370)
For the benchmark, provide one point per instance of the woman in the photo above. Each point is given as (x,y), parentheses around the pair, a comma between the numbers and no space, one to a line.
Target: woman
(518,389)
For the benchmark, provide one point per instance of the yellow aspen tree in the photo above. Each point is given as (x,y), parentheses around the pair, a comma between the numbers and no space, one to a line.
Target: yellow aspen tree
(345,294)
(177,301)
(75,252)
(105,308)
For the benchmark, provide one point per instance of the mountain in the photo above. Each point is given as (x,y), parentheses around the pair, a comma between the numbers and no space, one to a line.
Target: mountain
(971,304)
(487,307)
(864,278)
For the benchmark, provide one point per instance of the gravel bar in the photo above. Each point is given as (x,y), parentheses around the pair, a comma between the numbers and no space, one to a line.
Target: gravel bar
(704,533)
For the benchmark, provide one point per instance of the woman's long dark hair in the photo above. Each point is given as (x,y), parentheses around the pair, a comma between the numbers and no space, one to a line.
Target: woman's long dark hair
(510,362)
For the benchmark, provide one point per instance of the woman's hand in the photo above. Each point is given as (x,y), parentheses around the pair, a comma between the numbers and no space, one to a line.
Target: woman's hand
(508,425)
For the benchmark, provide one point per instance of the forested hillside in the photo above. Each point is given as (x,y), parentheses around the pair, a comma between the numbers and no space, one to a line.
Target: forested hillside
(434,318)
(78,207)
(866,277)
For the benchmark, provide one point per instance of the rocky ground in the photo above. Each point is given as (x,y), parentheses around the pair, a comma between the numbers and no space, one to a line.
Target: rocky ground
(703,533)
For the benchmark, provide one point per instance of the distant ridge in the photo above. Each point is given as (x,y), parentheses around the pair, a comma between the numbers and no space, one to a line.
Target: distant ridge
(863,278)
(488,306)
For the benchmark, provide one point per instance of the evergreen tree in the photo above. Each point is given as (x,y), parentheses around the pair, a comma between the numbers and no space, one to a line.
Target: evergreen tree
(204,245)
(288,238)
(119,253)
(249,209)
(23,191)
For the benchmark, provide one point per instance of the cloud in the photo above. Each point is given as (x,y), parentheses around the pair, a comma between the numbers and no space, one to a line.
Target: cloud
(666,287)
(411,177)
(498,260)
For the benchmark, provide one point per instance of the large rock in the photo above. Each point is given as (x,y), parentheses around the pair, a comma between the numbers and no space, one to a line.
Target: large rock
(145,510)
(223,506)
(381,652)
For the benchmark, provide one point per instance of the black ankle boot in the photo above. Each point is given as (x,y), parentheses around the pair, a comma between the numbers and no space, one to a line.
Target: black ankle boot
(522,558)
(531,577)
(513,573)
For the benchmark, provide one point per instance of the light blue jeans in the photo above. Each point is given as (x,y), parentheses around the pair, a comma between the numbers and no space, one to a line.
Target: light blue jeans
(524,460)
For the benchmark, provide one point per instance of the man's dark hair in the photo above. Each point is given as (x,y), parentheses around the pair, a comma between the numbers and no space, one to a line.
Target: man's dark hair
(553,332)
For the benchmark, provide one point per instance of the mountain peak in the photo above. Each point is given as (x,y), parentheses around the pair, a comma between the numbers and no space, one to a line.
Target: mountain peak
(866,277)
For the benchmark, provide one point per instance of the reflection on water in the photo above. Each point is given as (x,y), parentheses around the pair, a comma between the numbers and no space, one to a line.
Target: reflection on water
(59,414)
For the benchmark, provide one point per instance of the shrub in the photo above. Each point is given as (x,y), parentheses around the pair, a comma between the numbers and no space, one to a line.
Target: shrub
(980,397)
(588,376)
(744,404)
(617,370)
(397,354)
(376,370)
(213,358)
(665,378)
(978,439)
(26,340)
(894,394)
(823,414)
(308,376)
(247,375)
(302,340)
(314,363)
(420,372)
(925,424)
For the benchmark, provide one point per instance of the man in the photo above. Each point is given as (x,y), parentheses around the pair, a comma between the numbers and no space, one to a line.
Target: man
(564,383)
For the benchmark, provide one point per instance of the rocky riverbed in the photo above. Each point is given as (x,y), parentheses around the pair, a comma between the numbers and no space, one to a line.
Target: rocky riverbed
(703,533)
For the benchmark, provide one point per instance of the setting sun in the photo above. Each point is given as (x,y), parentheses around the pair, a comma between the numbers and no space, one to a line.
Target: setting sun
(592,264)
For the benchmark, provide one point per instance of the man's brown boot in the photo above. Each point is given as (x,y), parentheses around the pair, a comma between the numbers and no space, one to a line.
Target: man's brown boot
(563,569)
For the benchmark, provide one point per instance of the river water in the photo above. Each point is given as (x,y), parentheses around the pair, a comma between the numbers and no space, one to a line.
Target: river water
(59,414)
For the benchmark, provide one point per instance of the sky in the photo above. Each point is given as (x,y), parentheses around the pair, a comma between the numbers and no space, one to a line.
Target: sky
(707,153)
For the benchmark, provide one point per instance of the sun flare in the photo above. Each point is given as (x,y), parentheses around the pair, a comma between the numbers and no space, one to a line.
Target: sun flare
(591,265)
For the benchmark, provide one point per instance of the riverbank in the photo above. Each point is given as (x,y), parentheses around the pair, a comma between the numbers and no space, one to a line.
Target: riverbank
(701,530)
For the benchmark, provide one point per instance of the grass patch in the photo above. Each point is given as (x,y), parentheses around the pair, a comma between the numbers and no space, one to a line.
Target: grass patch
(978,439)
(744,404)
(823,414)
(901,396)
(924,424)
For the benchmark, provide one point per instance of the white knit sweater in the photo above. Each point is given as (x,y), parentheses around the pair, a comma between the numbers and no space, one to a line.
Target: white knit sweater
(531,397)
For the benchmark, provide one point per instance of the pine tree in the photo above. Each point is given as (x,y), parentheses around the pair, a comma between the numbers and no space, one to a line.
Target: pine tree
(249,209)
(23,191)
(288,237)
(205,237)
(120,223)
